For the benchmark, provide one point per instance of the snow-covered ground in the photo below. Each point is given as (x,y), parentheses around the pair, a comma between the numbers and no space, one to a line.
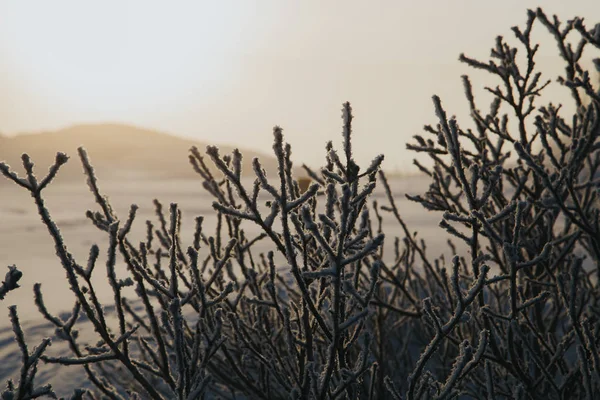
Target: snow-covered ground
(24,241)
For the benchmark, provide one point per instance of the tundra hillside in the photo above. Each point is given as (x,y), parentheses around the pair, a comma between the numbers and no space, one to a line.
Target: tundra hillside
(327,314)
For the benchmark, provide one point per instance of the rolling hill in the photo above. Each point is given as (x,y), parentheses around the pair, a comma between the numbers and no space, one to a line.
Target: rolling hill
(117,152)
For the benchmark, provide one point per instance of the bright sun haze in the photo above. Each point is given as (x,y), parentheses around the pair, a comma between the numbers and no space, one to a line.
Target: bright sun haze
(226,72)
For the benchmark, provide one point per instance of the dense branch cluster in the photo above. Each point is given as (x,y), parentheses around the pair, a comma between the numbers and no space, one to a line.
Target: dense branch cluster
(324,314)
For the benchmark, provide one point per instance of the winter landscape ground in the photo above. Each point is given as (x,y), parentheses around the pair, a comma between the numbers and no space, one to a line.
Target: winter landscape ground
(26,243)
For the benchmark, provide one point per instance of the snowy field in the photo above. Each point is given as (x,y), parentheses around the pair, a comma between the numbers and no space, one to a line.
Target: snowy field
(24,241)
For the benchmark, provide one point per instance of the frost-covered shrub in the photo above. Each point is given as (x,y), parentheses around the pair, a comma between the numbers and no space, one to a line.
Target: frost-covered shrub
(324,314)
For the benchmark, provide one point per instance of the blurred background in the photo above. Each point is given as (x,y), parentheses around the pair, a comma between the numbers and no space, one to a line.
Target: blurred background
(227,72)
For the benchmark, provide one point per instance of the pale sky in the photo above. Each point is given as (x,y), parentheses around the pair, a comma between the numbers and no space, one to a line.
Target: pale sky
(228,71)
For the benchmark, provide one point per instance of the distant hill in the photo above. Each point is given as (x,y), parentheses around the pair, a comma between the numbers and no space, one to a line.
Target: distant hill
(119,152)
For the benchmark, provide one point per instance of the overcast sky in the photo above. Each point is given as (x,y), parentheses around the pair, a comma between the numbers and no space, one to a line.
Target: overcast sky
(227,71)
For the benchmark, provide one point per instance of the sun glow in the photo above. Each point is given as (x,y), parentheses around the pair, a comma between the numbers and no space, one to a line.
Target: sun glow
(111,56)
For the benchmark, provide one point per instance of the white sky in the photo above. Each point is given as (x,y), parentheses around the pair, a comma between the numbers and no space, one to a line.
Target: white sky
(227,71)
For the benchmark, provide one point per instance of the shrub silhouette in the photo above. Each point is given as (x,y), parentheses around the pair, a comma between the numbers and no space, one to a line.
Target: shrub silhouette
(325,315)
